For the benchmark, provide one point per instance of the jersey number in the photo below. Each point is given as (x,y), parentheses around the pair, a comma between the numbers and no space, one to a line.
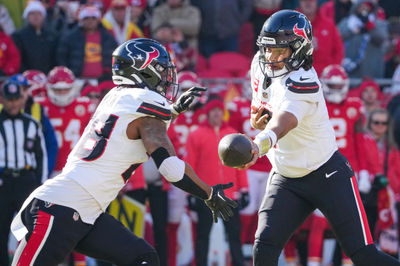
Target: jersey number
(340,127)
(71,133)
(97,141)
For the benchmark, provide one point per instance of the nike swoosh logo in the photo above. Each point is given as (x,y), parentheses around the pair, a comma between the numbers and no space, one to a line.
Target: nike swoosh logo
(329,175)
(301,78)
(160,103)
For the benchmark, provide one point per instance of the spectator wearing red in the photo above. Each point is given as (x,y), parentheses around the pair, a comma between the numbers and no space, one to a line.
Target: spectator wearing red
(383,161)
(371,95)
(202,155)
(327,43)
(383,155)
(87,49)
(117,21)
(10,59)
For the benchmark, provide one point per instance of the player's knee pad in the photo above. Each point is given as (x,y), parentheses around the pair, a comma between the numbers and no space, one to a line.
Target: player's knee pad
(149,258)
(265,254)
(370,256)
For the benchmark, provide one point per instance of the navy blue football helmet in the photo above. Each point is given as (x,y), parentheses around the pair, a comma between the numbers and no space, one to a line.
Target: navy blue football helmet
(145,63)
(287,28)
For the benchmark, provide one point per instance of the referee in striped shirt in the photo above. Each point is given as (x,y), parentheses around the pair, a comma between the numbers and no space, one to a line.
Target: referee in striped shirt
(23,159)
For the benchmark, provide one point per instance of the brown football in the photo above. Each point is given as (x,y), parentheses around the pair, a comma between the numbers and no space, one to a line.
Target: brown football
(235,150)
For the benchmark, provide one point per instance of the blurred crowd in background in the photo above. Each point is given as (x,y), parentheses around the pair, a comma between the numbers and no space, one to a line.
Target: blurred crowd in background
(59,52)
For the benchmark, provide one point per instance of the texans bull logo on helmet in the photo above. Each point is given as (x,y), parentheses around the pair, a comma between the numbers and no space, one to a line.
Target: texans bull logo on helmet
(141,54)
(301,31)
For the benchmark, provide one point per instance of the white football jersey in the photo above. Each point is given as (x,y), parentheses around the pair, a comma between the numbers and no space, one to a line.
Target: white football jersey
(104,158)
(312,142)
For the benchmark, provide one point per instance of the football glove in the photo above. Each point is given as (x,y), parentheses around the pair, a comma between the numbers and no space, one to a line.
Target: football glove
(380,182)
(219,203)
(184,101)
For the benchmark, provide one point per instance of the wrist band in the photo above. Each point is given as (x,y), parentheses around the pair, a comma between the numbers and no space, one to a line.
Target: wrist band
(265,140)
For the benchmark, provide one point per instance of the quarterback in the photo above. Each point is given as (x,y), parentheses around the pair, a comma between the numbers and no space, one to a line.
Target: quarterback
(130,125)
(308,171)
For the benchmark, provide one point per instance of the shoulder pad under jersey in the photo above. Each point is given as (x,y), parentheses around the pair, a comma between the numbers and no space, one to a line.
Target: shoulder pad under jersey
(304,82)
(153,104)
(303,86)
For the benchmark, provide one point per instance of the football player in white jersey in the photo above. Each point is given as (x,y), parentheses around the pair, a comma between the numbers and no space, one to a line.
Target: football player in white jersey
(130,125)
(308,171)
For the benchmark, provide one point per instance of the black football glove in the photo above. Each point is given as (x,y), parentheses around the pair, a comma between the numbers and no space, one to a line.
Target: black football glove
(184,101)
(219,203)
(380,182)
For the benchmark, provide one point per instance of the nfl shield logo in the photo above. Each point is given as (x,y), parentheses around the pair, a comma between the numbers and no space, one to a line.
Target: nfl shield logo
(12,88)
(48,204)
(75,216)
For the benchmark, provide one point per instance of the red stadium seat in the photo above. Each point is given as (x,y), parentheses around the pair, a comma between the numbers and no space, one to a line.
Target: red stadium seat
(208,77)
(214,73)
(233,62)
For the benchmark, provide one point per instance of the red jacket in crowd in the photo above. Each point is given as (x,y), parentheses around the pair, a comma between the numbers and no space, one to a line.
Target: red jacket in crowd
(10,59)
(376,163)
(202,155)
(327,43)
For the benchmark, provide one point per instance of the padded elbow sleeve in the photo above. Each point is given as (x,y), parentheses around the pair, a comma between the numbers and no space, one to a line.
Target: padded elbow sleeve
(171,167)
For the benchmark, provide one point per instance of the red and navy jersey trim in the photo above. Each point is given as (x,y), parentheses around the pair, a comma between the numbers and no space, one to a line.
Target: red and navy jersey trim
(302,87)
(157,111)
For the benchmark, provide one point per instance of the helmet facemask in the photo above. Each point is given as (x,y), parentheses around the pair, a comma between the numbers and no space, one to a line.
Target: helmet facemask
(336,92)
(268,67)
(168,86)
(62,94)
(335,83)
(61,87)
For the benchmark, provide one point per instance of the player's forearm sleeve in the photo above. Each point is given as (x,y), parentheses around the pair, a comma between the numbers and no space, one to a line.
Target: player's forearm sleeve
(188,185)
